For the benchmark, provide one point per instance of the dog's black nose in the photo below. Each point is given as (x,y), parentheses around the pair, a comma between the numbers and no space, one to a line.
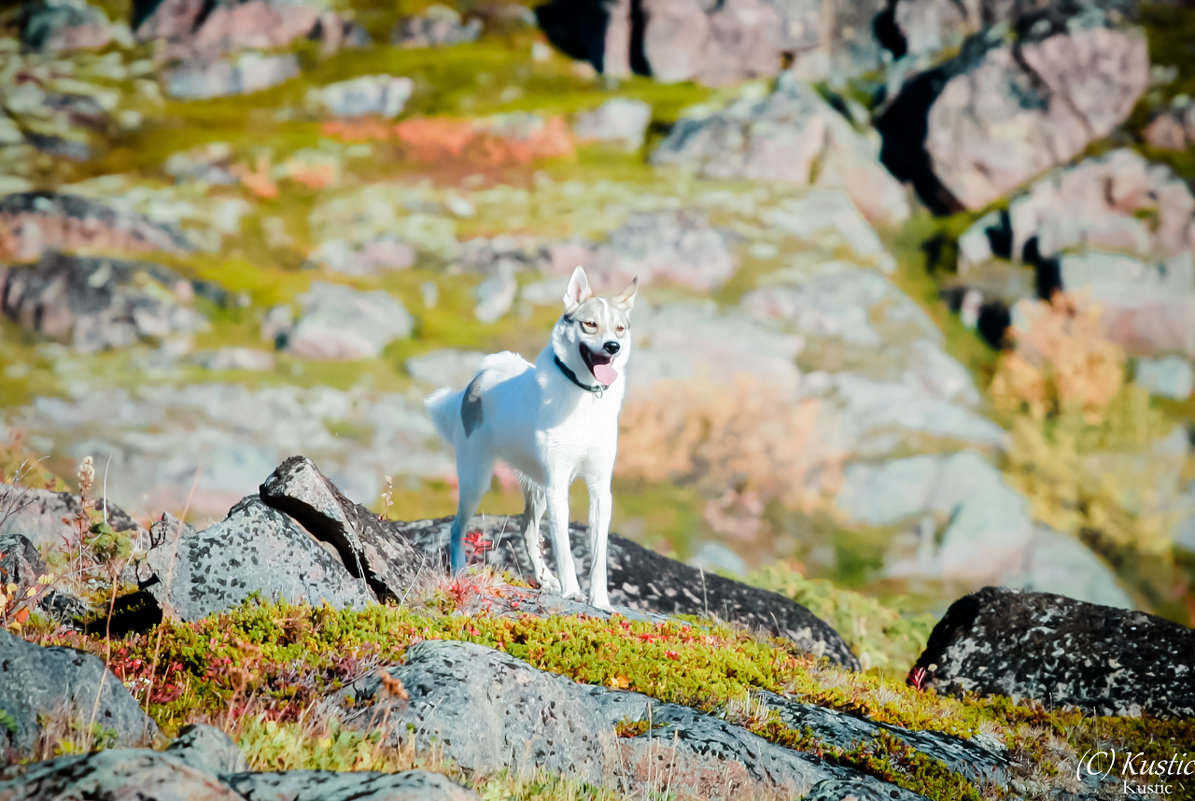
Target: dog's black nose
(612,347)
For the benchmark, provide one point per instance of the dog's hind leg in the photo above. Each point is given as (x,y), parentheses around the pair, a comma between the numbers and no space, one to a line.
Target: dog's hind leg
(474,476)
(601,504)
(537,503)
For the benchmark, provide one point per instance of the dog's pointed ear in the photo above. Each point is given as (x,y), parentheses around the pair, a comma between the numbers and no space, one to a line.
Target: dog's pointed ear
(626,298)
(578,290)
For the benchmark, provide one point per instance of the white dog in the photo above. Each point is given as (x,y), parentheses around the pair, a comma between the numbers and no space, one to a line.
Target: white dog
(552,422)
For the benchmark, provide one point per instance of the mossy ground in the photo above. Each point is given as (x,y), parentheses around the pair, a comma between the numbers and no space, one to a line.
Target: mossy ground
(258,670)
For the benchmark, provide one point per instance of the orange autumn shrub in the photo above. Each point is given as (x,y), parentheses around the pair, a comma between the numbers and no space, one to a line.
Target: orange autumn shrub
(489,142)
(743,446)
(1062,362)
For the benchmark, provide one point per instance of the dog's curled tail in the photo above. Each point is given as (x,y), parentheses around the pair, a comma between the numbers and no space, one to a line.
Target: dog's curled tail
(442,406)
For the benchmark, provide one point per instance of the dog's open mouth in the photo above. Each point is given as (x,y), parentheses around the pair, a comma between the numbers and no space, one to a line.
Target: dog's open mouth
(599,365)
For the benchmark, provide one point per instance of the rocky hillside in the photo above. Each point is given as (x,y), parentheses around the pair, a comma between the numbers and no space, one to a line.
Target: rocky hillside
(304,648)
(917,318)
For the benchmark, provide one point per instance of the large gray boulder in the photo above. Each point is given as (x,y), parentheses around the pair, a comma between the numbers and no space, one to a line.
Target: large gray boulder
(389,564)
(1062,652)
(61,685)
(648,582)
(488,711)
(1021,97)
(790,135)
(201,78)
(256,549)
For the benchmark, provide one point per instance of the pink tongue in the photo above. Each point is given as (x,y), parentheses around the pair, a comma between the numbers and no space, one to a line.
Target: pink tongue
(605,373)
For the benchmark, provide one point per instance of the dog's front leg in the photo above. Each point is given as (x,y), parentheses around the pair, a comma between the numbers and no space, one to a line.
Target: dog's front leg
(557,491)
(601,503)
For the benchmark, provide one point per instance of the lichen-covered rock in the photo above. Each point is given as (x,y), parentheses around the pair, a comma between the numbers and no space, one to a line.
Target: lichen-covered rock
(63,25)
(95,304)
(326,785)
(1021,97)
(791,135)
(1063,652)
(650,582)
(488,711)
(1173,128)
(712,758)
(32,223)
(207,749)
(256,549)
(59,685)
(119,774)
(389,564)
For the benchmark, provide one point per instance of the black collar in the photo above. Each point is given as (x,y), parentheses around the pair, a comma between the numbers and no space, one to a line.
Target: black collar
(596,389)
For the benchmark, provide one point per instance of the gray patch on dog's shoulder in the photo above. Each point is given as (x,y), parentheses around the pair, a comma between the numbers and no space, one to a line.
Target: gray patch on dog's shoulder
(471,412)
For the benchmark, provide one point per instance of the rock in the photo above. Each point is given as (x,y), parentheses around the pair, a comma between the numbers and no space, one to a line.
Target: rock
(250,359)
(649,582)
(1173,128)
(1060,563)
(34,223)
(829,218)
(94,304)
(1117,201)
(61,685)
(1145,308)
(21,565)
(373,256)
(438,26)
(190,29)
(384,95)
(208,163)
(620,121)
(1020,98)
(64,25)
(202,78)
(715,759)
(388,564)
(677,246)
(205,748)
(848,732)
(1168,376)
(1062,652)
(47,518)
(987,524)
(121,774)
(256,549)
(793,136)
(488,712)
(341,323)
(716,43)
(327,785)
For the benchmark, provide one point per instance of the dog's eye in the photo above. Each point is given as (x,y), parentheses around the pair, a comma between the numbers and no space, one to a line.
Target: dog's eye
(620,329)
(589,325)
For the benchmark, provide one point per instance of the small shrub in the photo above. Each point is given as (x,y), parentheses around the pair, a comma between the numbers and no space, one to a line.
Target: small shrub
(1062,364)
(744,446)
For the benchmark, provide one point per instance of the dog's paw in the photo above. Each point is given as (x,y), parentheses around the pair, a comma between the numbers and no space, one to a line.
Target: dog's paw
(601,603)
(574,594)
(548,583)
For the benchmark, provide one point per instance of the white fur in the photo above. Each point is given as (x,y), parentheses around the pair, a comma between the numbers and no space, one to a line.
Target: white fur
(550,431)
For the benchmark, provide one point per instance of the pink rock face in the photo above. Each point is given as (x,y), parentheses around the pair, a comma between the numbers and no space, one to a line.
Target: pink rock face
(1016,114)
(255,24)
(1173,128)
(675,37)
(1116,202)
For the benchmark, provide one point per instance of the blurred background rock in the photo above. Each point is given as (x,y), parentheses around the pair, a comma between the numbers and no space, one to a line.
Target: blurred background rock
(919,307)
